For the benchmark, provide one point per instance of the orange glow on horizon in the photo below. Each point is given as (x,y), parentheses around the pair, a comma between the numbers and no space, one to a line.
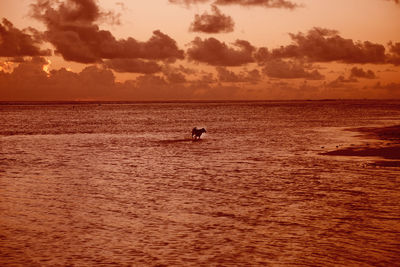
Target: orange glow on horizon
(46,68)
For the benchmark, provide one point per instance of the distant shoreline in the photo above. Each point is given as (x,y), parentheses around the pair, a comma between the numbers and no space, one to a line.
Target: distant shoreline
(388,148)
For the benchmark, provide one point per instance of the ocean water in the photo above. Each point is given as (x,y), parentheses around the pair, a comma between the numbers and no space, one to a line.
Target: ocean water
(124,185)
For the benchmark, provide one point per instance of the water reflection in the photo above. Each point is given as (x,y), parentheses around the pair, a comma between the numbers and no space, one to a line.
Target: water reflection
(134,193)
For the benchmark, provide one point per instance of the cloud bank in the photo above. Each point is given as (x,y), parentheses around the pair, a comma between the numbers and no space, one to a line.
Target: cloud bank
(133,65)
(325,45)
(225,75)
(290,70)
(30,82)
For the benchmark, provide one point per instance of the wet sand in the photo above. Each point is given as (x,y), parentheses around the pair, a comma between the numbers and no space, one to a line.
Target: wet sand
(387,145)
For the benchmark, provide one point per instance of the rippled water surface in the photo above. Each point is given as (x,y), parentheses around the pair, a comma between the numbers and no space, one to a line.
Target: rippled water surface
(123,184)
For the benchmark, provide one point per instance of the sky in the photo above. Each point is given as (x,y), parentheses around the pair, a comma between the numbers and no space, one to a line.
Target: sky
(116,50)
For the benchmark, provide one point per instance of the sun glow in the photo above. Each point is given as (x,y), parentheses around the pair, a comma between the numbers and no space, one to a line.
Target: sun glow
(46,68)
(6,66)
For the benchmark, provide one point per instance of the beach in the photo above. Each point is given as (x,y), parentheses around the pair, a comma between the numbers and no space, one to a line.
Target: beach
(385,145)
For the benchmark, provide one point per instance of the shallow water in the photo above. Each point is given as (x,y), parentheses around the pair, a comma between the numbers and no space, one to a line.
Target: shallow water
(123,184)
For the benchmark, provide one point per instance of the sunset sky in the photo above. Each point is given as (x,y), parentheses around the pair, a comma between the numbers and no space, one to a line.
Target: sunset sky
(199,49)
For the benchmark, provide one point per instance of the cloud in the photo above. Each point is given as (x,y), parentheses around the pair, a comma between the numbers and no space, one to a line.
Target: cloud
(324,45)
(6,66)
(261,3)
(225,75)
(216,53)
(390,90)
(31,69)
(360,73)
(262,55)
(290,70)
(394,48)
(133,65)
(19,43)
(216,22)
(175,75)
(341,82)
(71,28)
(188,2)
(186,70)
(390,87)
(205,78)
(284,89)
(394,57)
(157,87)
(30,82)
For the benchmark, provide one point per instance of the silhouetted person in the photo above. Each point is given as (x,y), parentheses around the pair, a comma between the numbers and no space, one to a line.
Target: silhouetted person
(196,133)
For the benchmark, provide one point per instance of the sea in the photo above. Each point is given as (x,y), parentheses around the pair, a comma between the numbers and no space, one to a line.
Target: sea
(123,184)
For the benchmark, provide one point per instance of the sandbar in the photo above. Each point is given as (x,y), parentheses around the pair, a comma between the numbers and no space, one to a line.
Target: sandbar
(387,146)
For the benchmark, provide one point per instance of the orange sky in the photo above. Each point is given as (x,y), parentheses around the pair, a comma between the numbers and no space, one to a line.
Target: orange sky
(199,49)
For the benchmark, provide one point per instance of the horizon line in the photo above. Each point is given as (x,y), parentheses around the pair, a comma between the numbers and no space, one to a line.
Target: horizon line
(66,102)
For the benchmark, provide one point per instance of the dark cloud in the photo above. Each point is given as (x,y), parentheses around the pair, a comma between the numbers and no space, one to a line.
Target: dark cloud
(175,75)
(290,70)
(19,43)
(394,57)
(31,70)
(324,45)
(360,73)
(95,78)
(262,55)
(133,65)
(262,3)
(394,48)
(205,78)
(225,75)
(216,22)
(186,70)
(341,82)
(214,52)
(72,29)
